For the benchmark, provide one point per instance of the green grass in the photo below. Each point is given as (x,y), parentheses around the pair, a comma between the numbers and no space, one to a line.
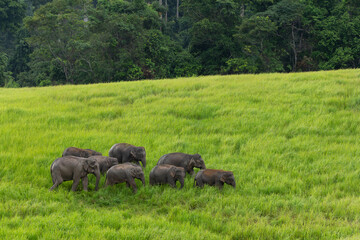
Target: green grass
(292,141)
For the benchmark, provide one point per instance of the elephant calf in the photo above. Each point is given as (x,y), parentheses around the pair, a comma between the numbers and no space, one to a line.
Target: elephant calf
(167,174)
(78,152)
(105,162)
(74,168)
(214,177)
(126,172)
(186,161)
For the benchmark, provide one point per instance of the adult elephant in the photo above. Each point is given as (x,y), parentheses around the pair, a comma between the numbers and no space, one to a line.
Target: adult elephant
(125,172)
(167,174)
(125,152)
(186,161)
(214,177)
(79,152)
(74,168)
(105,162)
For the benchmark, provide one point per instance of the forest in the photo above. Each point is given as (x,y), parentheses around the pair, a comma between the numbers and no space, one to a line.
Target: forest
(44,42)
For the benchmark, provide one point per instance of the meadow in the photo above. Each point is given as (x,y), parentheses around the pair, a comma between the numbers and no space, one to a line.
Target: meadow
(292,141)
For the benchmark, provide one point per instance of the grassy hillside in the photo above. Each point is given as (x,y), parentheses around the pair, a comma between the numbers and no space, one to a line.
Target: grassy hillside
(292,141)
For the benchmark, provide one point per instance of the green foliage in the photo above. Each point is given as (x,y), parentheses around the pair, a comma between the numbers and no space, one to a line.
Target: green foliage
(11,14)
(6,79)
(290,139)
(86,41)
(239,65)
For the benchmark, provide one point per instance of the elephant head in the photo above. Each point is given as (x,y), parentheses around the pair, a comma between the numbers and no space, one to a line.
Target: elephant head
(228,178)
(178,173)
(137,172)
(111,162)
(91,166)
(139,155)
(196,161)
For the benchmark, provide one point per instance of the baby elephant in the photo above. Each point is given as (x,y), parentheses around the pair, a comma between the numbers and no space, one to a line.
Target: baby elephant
(126,172)
(214,177)
(162,174)
(78,152)
(105,162)
(74,168)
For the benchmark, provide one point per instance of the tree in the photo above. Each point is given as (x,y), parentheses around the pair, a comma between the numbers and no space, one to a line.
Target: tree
(59,33)
(11,15)
(6,80)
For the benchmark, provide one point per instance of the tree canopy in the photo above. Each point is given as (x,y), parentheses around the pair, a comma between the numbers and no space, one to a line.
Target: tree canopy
(44,42)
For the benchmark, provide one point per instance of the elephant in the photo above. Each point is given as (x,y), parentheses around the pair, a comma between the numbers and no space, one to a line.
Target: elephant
(125,152)
(105,162)
(125,172)
(186,161)
(74,168)
(214,177)
(165,173)
(78,152)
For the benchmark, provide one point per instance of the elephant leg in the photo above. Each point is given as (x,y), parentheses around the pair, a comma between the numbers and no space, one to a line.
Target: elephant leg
(127,184)
(199,183)
(76,182)
(108,183)
(181,183)
(132,184)
(151,181)
(56,184)
(85,182)
(56,179)
(219,184)
(191,172)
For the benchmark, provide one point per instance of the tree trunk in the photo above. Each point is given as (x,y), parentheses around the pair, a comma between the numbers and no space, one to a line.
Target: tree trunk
(166,13)
(160,3)
(177,9)
(294,47)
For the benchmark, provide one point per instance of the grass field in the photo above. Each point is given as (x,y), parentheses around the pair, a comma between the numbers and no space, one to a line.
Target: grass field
(292,141)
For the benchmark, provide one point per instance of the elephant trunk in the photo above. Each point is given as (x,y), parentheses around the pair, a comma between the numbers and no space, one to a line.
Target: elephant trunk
(203,166)
(143,180)
(181,182)
(233,184)
(143,162)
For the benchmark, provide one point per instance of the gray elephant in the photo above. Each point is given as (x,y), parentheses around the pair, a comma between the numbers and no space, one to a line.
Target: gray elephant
(79,152)
(125,152)
(167,174)
(105,162)
(186,161)
(214,177)
(125,172)
(74,168)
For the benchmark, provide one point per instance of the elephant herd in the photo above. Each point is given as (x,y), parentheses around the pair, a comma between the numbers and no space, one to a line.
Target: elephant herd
(123,166)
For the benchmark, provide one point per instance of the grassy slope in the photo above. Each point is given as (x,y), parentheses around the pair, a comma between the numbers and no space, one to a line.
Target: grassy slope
(292,141)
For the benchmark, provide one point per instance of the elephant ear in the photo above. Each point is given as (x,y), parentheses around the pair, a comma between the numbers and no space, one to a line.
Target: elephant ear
(133,154)
(192,162)
(225,176)
(90,164)
(172,172)
(86,165)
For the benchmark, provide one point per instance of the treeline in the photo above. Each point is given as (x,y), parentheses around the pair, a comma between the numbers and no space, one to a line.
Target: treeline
(45,42)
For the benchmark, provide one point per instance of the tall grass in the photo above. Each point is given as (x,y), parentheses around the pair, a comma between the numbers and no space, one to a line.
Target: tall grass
(292,141)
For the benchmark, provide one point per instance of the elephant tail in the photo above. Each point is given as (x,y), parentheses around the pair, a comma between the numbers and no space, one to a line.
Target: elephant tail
(105,180)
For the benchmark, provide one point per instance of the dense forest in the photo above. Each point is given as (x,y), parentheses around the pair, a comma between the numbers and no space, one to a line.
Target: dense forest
(44,42)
